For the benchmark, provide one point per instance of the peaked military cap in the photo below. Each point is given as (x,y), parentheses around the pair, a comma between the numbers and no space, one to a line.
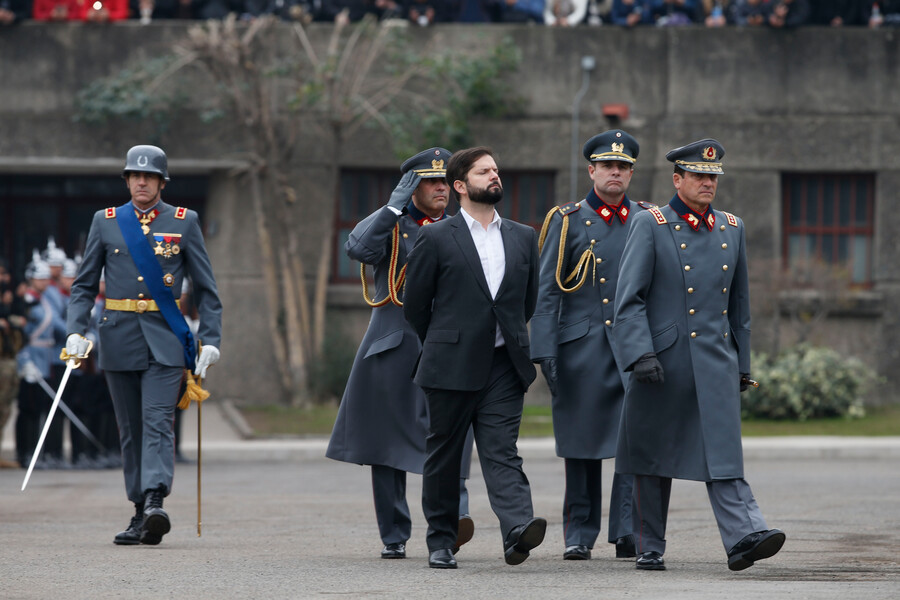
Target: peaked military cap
(429,164)
(612,145)
(703,156)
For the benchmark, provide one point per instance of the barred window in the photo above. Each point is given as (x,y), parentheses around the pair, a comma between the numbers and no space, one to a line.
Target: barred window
(829,220)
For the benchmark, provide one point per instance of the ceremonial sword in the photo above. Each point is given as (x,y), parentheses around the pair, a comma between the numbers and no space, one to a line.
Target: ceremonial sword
(72,362)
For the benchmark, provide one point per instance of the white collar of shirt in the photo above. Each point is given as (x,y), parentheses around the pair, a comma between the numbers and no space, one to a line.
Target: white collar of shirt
(471,222)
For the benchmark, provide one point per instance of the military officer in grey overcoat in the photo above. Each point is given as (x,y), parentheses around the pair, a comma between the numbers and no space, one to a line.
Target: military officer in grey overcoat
(142,357)
(682,329)
(382,420)
(581,245)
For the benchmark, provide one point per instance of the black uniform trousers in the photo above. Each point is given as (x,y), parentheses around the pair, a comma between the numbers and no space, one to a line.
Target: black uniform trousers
(494,412)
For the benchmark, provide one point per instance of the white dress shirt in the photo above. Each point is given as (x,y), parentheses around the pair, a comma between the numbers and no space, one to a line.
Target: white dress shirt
(489,243)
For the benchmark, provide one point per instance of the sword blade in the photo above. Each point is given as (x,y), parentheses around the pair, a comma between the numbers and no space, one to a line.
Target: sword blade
(72,417)
(62,386)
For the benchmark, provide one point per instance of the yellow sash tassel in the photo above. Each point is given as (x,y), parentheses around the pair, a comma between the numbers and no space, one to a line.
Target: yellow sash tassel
(194,391)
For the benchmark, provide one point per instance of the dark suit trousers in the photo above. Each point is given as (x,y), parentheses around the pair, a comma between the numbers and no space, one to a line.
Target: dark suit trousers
(145,402)
(494,413)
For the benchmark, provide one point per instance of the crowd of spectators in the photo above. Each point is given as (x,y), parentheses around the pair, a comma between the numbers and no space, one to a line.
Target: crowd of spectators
(560,13)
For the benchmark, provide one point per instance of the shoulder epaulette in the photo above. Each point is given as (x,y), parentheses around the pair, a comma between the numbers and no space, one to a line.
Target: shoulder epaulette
(180,212)
(645,205)
(111,212)
(657,214)
(569,208)
(732,220)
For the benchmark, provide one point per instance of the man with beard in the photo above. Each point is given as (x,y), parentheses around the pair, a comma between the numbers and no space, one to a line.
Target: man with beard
(382,420)
(471,287)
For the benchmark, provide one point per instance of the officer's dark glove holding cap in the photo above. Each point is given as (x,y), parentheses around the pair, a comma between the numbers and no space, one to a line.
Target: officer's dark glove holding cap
(404,191)
(648,370)
(745,381)
(548,368)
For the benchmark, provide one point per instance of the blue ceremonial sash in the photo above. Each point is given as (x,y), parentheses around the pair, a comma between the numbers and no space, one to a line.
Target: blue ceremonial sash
(148,267)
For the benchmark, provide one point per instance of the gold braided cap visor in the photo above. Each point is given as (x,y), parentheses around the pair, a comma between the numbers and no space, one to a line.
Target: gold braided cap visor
(613,156)
(701,167)
(431,172)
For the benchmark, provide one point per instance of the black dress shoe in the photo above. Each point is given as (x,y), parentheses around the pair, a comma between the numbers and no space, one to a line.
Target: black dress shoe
(442,559)
(522,539)
(132,534)
(625,547)
(156,521)
(650,561)
(754,547)
(464,532)
(395,550)
(577,553)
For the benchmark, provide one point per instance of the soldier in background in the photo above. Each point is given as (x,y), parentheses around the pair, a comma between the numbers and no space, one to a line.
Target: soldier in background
(382,420)
(12,339)
(581,244)
(682,328)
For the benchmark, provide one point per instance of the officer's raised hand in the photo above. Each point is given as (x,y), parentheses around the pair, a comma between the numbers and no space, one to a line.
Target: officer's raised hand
(208,356)
(404,190)
(548,368)
(648,370)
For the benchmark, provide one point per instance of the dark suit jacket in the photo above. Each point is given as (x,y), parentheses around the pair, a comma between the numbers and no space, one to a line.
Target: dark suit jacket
(448,303)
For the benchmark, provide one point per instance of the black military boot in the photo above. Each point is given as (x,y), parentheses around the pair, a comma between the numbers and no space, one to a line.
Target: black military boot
(156,521)
(132,535)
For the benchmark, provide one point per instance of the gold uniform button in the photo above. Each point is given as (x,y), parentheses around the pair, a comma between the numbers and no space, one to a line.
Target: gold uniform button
(593,241)
(140,295)
(606,301)
(603,280)
(725,312)
(405,235)
(587,222)
(724,246)
(687,267)
(724,290)
(690,312)
(140,277)
(724,267)
(690,290)
(104,318)
(678,228)
(726,334)
(608,323)
(693,334)
(599,260)
(683,246)
(721,228)
(116,251)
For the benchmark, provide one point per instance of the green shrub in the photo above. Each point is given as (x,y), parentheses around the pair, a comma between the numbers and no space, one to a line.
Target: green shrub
(807,383)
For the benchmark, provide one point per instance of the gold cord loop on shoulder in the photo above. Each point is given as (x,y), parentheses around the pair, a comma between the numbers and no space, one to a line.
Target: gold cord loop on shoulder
(395,281)
(580,267)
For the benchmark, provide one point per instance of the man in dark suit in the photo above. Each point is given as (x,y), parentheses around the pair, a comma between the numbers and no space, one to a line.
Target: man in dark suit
(471,286)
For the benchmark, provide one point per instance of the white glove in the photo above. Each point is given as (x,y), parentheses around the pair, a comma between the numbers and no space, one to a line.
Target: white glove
(209,355)
(77,345)
(30,372)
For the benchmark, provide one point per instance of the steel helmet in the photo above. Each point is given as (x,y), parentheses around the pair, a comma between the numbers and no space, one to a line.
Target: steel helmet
(146,159)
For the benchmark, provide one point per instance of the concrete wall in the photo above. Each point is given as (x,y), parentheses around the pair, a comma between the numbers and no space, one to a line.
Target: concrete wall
(815,99)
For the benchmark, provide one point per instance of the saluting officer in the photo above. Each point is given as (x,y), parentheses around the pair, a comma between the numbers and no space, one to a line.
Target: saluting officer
(146,248)
(682,327)
(382,420)
(581,244)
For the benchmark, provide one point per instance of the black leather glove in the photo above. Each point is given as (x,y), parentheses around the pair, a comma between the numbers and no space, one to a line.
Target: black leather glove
(404,190)
(745,381)
(648,370)
(548,368)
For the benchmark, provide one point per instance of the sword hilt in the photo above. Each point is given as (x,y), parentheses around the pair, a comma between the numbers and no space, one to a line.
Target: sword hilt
(76,358)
